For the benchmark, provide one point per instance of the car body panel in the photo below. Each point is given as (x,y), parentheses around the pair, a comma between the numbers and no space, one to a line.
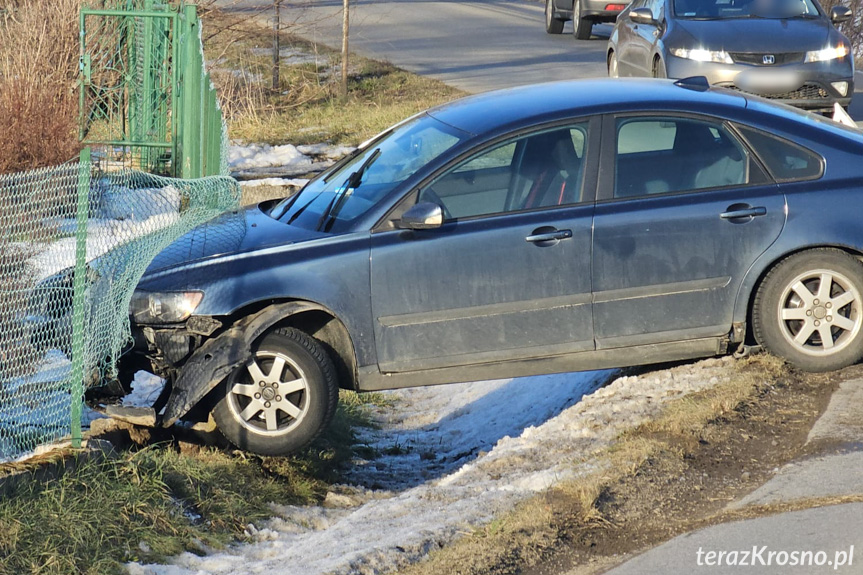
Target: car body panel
(596,10)
(664,275)
(477,291)
(784,42)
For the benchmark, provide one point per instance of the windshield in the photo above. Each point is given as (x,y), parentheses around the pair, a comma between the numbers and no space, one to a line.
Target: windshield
(350,189)
(722,9)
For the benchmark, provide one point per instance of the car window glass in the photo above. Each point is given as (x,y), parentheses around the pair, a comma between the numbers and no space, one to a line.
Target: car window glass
(665,155)
(332,201)
(721,9)
(784,160)
(534,171)
(656,8)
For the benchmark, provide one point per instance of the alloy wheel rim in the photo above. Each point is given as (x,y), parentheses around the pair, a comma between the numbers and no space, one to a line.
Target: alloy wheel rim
(270,395)
(612,67)
(548,13)
(819,312)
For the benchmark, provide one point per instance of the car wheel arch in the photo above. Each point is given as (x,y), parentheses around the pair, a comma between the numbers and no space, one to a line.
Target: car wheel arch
(755,277)
(201,374)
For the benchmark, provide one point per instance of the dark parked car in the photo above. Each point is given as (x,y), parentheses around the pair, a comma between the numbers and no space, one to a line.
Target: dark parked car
(787,50)
(583,13)
(552,228)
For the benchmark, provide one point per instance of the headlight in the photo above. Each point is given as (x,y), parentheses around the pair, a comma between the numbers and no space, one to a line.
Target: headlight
(826,54)
(167,307)
(701,55)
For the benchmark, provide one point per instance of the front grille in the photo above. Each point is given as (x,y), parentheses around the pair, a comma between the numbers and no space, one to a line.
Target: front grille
(758,59)
(805,92)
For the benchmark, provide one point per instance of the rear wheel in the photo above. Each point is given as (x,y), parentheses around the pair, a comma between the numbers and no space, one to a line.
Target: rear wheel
(809,310)
(581,27)
(659,68)
(612,65)
(552,24)
(282,398)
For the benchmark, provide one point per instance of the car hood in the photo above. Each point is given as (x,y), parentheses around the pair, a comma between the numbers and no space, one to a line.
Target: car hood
(232,233)
(754,35)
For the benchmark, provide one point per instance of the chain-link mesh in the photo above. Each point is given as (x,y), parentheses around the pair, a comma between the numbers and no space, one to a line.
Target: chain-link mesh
(146,98)
(128,217)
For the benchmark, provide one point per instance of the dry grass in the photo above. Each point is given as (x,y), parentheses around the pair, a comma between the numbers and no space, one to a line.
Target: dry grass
(525,535)
(38,66)
(307,107)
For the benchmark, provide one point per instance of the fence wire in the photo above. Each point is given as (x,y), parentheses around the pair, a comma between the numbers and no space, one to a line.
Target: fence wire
(122,220)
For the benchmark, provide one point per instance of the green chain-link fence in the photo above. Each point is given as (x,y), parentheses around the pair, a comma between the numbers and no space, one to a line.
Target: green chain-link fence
(74,242)
(146,99)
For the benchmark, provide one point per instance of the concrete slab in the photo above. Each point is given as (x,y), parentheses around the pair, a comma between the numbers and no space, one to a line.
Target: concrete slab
(798,541)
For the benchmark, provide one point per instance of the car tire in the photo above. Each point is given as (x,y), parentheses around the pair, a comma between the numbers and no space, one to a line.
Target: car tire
(613,71)
(581,27)
(282,399)
(552,24)
(659,70)
(795,301)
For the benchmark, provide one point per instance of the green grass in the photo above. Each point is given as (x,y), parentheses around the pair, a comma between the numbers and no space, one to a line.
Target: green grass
(150,504)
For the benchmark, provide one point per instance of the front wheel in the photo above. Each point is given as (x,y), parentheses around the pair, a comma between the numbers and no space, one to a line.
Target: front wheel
(581,27)
(612,66)
(552,24)
(282,398)
(659,70)
(809,310)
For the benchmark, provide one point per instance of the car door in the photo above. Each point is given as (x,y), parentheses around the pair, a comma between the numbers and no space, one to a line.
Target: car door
(507,276)
(646,36)
(684,212)
(627,41)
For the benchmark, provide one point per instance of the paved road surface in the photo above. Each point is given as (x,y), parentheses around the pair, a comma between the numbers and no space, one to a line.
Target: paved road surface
(474,45)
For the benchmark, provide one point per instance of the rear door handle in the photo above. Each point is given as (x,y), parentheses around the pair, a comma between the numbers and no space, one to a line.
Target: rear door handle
(548,236)
(735,212)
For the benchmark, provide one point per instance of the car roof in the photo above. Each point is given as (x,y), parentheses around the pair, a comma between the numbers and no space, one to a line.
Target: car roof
(526,105)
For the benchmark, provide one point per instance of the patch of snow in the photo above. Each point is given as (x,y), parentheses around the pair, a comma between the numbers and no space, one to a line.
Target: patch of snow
(326,151)
(276,182)
(453,457)
(265,156)
(146,388)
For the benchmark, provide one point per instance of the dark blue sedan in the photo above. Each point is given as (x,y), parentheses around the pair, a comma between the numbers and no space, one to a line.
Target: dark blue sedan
(551,228)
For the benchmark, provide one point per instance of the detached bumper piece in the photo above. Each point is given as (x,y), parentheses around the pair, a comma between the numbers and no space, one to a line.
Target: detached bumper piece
(143,416)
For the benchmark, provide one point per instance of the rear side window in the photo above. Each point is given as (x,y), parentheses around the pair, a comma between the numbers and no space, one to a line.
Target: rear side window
(786,161)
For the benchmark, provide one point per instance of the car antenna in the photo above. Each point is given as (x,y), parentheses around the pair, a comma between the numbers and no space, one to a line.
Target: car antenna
(697,83)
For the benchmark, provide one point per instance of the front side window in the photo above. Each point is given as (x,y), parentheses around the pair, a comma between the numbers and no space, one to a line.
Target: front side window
(667,155)
(336,198)
(535,171)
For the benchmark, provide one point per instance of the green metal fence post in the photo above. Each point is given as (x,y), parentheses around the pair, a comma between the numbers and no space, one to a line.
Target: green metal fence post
(79,290)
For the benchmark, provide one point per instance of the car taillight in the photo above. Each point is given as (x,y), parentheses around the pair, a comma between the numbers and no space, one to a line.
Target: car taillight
(615,7)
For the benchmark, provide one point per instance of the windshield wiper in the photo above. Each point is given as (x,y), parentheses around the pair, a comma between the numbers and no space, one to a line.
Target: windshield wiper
(343,193)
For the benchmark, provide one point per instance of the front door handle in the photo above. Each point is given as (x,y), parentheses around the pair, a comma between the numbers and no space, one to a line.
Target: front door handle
(737,212)
(542,235)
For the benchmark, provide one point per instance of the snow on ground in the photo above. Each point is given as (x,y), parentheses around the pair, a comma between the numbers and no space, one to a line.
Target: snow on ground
(265,156)
(146,388)
(453,457)
(259,161)
(276,182)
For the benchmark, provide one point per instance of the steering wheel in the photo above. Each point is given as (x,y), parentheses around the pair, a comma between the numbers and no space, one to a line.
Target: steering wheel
(429,195)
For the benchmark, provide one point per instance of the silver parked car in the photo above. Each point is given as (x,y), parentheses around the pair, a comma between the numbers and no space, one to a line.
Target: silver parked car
(583,13)
(787,50)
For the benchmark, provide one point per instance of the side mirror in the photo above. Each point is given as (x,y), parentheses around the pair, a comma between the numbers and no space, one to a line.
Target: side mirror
(642,16)
(839,14)
(422,216)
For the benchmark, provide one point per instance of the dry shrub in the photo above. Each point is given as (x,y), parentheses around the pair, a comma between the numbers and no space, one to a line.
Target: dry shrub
(38,69)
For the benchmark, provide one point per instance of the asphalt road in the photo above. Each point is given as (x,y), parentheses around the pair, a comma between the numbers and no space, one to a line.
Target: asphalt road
(474,45)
